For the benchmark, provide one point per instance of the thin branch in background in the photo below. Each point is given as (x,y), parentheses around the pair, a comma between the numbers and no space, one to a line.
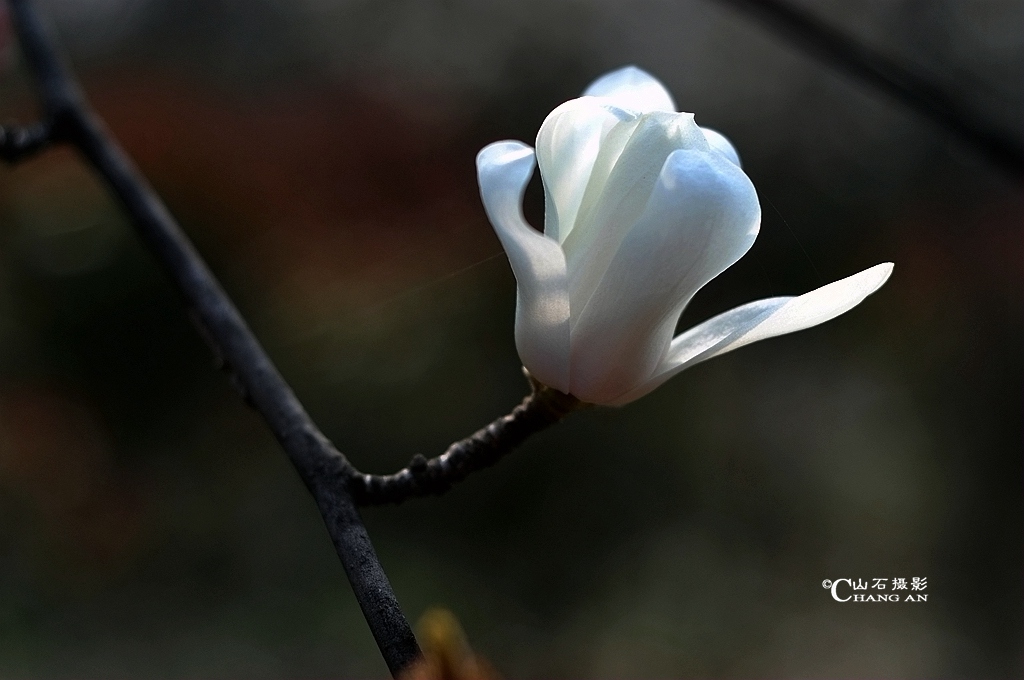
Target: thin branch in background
(915,90)
(542,408)
(323,469)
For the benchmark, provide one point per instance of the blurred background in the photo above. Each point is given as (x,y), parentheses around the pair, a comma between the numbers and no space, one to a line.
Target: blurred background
(320,153)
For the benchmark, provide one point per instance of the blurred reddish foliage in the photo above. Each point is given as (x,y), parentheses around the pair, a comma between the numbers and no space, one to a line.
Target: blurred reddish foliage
(311,185)
(57,458)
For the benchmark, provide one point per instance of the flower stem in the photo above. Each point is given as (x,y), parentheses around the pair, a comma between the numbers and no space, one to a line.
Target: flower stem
(542,408)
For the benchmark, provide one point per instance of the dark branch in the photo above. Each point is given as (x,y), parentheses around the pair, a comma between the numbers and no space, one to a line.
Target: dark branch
(334,483)
(903,83)
(20,141)
(542,408)
(324,470)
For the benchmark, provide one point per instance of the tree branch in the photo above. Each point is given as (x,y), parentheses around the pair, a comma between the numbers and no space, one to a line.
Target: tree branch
(322,468)
(913,89)
(334,483)
(18,142)
(542,408)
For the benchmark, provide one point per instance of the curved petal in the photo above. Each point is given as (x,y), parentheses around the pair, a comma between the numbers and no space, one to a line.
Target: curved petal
(568,144)
(702,216)
(760,320)
(542,303)
(632,88)
(611,209)
(721,144)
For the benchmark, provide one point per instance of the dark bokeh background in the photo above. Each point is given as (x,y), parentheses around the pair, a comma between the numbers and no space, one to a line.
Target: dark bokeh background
(321,155)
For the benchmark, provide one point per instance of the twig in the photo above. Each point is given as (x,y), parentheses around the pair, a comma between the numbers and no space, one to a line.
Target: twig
(542,408)
(21,141)
(913,89)
(323,469)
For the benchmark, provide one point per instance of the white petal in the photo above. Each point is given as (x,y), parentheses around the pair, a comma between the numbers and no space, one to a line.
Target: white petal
(760,320)
(542,305)
(568,144)
(611,208)
(701,217)
(721,144)
(632,88)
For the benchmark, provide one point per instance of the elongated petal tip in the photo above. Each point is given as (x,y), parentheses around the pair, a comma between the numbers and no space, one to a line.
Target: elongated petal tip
(632,88)
(813,308)
(882,271)
(871,279)
(762,319)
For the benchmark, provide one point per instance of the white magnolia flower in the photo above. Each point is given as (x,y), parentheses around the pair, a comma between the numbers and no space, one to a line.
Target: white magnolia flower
(643,208)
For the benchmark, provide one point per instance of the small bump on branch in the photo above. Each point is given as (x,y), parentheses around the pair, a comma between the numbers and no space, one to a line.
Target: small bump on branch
(20,141)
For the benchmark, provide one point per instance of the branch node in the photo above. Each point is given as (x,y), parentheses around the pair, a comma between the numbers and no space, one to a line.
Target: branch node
(418,465)
(20,141)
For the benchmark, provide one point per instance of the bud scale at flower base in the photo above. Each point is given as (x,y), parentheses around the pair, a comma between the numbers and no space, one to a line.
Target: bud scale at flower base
(643,208)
